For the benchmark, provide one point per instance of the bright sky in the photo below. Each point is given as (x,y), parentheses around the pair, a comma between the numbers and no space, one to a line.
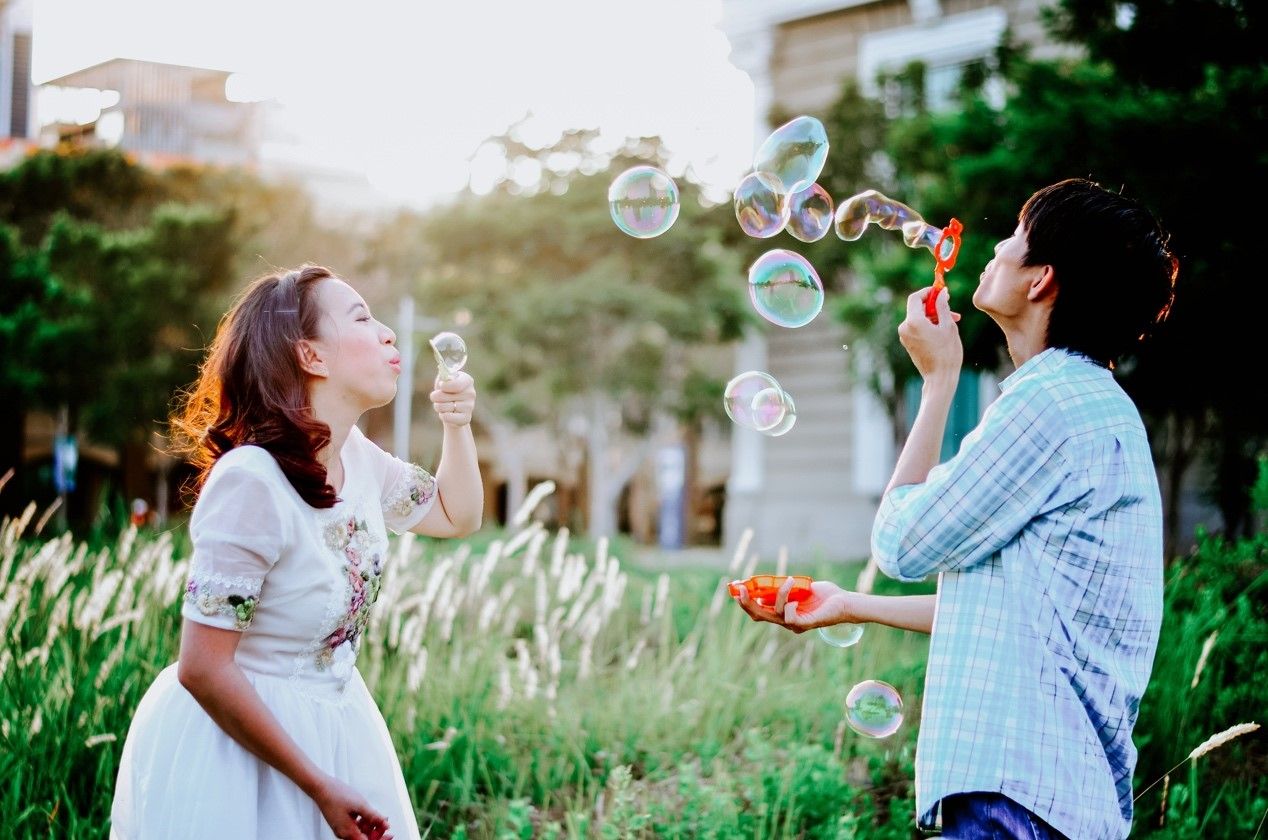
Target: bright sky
(406,91)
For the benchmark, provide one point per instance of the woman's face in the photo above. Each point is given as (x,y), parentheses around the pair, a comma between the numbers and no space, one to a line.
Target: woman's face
(359,353)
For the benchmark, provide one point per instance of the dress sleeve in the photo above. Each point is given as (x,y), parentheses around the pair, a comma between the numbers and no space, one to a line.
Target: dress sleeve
(238,532)
(407,491)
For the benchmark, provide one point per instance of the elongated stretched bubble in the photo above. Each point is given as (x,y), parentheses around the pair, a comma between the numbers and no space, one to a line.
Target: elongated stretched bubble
(871,207)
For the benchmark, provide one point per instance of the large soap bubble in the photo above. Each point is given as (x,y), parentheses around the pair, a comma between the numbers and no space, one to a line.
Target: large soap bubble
(794,153)
(785,288)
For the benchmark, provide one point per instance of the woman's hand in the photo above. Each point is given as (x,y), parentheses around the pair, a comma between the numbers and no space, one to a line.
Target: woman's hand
(348,814)
(454,399)
(827,605)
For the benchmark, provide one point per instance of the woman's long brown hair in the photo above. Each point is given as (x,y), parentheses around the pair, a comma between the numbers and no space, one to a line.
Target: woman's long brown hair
(252,390)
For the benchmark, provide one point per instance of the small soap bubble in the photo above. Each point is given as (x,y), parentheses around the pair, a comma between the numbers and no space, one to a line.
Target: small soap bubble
(643,201)
(789,420)
(842,635)
(450,352)
(761,205)
(810,214)
(740,392)
(768,408)
(874,708)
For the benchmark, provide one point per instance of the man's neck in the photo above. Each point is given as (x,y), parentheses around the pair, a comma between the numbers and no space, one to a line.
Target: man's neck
(1026,339)
(1022,351)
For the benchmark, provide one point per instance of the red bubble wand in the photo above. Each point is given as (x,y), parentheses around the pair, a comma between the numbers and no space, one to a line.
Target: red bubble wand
(944,255)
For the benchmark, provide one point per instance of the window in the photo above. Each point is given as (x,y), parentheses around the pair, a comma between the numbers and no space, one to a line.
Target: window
(923,64)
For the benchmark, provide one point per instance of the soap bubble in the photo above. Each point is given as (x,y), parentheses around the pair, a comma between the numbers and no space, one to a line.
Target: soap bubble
(790,419)
(761,205)
(842,635)
(810,213)
(874,708)
(854,214)
(919,234)
(643,201)
(450,352)
(794,153)
(768,408)
(740,392)
(785,288)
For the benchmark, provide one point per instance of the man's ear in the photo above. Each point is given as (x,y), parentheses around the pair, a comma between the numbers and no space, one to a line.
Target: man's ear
(310,359)
(1042,285)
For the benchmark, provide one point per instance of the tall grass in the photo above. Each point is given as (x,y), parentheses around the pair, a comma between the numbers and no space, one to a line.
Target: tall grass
(538,686)
(533,690)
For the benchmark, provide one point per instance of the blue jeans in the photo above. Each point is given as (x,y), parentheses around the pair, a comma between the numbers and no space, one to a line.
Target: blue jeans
(991,816)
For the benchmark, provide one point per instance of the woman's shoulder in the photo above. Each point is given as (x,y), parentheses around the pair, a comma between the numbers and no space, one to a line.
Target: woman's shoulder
(245,465)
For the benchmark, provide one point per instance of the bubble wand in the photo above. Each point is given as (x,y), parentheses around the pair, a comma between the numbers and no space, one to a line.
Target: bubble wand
(944,255)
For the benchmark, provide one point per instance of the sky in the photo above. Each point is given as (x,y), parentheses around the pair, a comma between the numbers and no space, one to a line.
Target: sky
(405,92)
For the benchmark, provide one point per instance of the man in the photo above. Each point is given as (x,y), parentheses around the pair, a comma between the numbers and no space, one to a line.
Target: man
(1045,531)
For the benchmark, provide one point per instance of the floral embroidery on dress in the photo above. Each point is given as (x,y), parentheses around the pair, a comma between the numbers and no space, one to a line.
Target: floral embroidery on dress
(363,571)
(415,489)
(239,607)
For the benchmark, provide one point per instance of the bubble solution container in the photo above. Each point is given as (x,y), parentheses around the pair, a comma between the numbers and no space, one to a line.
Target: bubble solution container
(764,589)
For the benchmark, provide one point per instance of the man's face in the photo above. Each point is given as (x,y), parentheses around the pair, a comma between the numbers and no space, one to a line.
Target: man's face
(1004,286)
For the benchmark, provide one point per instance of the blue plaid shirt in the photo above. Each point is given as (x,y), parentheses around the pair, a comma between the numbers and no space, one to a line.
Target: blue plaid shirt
(1046,532)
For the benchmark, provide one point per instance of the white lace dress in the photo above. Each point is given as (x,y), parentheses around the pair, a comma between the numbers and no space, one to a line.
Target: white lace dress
(299,584)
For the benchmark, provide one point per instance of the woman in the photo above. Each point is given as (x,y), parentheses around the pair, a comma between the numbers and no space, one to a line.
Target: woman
(264,728)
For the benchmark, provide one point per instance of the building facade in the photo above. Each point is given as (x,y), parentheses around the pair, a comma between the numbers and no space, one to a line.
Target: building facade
(166,113)
(17,95)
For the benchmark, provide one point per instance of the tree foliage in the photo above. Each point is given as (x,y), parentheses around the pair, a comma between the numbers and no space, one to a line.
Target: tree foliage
(112,280)
(571,321)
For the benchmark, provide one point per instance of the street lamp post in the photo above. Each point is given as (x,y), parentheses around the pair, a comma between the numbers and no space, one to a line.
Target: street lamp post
(408,323)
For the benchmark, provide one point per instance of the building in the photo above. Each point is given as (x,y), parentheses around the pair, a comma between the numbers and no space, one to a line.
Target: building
(815,491)
(17,95)
(163,113)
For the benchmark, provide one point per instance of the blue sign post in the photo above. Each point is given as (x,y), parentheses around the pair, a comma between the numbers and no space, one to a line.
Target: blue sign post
(671,481)
(65,460)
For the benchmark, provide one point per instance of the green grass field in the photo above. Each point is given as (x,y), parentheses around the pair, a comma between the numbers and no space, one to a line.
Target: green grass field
(538,686)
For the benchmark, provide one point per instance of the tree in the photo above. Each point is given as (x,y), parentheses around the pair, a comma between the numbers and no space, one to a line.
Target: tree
(114,276)
(574,324)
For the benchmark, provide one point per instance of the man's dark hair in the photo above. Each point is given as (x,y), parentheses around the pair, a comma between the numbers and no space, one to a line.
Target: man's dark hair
(1115,273)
